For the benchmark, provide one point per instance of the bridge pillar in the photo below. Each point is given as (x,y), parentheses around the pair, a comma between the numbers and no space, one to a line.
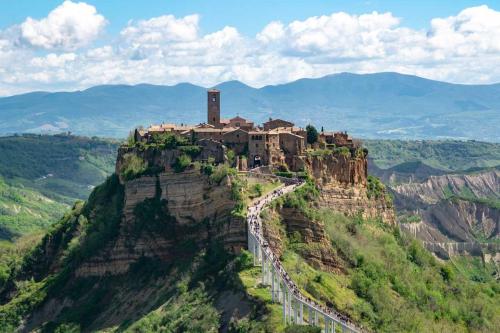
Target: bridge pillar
(326,324)
(263,269)
(284,304)
(310,316)
(273,291)
(295,311)
(301,313)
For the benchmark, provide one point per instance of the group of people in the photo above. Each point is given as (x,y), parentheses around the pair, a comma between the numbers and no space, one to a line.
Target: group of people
(255,226)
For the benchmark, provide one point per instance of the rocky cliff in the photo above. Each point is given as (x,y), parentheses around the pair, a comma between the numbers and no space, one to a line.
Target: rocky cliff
(456,212)
(283,223)
(436,188)
(342,180)
(166,215)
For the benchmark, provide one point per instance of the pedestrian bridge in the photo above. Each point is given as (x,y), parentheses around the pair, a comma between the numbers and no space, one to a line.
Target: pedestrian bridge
(297,308)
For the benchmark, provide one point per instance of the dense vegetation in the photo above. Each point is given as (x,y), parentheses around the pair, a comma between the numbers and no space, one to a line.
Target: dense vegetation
(41,176)
(387,280)
(445,155)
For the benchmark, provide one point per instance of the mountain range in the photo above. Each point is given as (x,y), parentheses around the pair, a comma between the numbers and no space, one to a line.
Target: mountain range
(381,105)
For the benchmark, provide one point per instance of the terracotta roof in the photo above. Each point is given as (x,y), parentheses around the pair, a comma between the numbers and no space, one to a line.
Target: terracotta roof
(234,130)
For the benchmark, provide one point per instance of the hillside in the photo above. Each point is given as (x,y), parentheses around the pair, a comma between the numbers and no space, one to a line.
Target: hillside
(42,176)
(393,106)
(446,193)
(445,155)
(170,265)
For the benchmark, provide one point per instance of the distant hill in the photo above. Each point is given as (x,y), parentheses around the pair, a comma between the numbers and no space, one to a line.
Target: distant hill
(41,176)
(382,105)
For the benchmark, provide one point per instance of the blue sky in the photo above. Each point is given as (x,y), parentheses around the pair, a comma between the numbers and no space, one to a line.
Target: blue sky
(248,16)
(72,44)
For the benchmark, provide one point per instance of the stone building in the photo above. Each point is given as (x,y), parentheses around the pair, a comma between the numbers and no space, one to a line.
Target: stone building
(276,142)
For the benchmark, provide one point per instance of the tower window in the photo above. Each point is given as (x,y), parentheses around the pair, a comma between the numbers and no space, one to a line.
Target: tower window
(214,99)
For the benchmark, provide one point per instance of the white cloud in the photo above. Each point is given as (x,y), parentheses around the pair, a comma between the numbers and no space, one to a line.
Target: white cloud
(162,29)
(69,26)
(166,50)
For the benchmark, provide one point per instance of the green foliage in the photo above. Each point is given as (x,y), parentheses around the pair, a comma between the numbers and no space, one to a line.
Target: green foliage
(168,140)
(237,187)
(301,198)
(319,152)
(258,188)
(181,163)
(450,155)
(312,134)
(391,283)
(231,157)
(191,151)
(376,189)
(286,174)
(344,151)
(24,210)
(221,172)
(302,329)
(133,166)
(207,169)
(409,219)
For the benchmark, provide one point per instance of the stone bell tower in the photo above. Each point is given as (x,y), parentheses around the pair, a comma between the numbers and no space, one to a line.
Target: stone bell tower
(213,107)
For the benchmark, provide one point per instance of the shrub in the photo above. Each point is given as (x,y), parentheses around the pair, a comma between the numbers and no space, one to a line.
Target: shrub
(207,169)
(312,134)
(221,172)
(181,163)
(168,140)
(375,187)
(132,166)
(286,174)
(192,151)
(258,189)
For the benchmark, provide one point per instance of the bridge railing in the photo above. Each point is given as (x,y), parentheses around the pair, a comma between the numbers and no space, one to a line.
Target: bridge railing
(255,230)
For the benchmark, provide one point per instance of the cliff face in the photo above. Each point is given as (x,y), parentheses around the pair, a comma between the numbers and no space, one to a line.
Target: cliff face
(285,222)
(436,188)
(342,181)
(453,226)
(167,216)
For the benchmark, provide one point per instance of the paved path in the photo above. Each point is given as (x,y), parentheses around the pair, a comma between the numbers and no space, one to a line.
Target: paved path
(283,289)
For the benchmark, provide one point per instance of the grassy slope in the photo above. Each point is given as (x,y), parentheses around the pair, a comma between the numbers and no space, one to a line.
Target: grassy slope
(40,176)
(445,155)
(24,210)
(388,282)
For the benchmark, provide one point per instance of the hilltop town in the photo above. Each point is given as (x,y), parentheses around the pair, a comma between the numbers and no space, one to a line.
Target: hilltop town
(276,142)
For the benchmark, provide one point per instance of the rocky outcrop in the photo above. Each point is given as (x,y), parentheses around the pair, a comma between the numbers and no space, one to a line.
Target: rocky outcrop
(451,226)
(342,181)
(336,168)
(436,188)
(162,159)
(454,227)
(286,223)
(166,216)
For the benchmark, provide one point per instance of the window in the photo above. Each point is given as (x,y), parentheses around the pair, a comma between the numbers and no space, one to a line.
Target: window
(213,119)
(214,98)
(256,145)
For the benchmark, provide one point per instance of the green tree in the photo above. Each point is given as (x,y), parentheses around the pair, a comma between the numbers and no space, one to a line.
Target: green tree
(312,134)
